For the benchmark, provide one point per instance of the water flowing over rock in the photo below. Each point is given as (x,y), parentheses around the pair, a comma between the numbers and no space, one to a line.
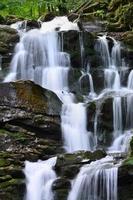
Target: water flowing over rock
(40,177)
(90,178)
(92,112)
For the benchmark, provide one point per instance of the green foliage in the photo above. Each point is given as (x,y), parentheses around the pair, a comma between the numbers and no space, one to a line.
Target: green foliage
(100,14)
(36,8)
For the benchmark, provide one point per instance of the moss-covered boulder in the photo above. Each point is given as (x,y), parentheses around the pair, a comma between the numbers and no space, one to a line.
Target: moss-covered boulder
(127,38)
(125,177)
(68,164)
(8,38)
(27,104)
(61,187)
(8,34)
(15,148)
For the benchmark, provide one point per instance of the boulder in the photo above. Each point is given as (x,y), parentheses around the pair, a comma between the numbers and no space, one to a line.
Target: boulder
(61,187)
(125,177)
(68,164)
(8,38)
(79,55)
(28,105)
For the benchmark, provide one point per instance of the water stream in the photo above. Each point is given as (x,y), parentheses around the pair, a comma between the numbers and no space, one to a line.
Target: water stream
(40,176)
(96,181)
(39,57)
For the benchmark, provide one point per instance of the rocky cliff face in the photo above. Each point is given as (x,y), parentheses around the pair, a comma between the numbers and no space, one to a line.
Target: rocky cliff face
(29,130)
(8,39)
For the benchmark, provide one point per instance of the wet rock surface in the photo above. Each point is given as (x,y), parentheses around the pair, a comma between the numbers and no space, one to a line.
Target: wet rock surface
(125,177)
(8,39)
(29,130)
(28,105)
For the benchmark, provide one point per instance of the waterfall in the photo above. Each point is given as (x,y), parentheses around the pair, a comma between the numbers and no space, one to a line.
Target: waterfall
(112,79)
(98,110)
(129,116)
(40,176)
(96,181)
(111,61)
(121,143)
(116,54)
(87,73)
(74,131)
(103,49)
(111,58)
(117,116)
(81,48)
(39,56)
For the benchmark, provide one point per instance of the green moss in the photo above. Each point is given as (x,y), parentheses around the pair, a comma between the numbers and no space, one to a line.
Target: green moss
(11,182)
(4,162)
(13,170)
(5,178)
(14,135)
(128,161)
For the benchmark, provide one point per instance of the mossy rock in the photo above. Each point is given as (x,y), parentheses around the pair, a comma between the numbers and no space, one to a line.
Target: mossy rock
(5,178)
(71,171)
(4,162)
(10,19)
(13,170)
(128,161)
(78,157)
(47,17)
(8,34)
(12,189)
(61,183)
(29,96)
(3,48)
(61,187)
(127,38)
(61,194)
(14,135)
(131,145)
(11,182)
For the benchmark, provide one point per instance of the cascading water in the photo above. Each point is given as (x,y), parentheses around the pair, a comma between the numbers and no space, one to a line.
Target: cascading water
(111,61)
(96,181)
(74,131)
(129,116)
(121,143)
(117,116)
(86,73)
(39,57)
(102,47)
(40,176)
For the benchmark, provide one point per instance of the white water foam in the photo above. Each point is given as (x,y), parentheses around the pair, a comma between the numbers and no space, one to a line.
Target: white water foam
(40,176)
(96,181)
